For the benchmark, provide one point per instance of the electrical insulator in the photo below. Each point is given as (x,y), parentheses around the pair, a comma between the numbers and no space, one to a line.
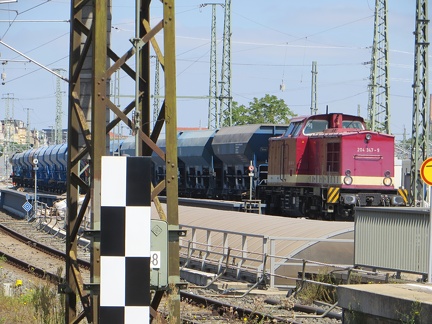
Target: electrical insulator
(3,77)
(282,86)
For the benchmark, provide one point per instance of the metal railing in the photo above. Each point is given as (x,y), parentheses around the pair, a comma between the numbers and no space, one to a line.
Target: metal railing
(252,206)
(247,256)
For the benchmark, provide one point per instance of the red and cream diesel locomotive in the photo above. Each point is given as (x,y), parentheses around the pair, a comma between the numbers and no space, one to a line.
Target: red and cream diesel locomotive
(326,165)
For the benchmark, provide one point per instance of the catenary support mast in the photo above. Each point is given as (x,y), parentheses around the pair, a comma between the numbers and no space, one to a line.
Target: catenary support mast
(421,109)
(379,98)
(59,110)
(92,64)
(213,109)
(314,108)
(225,93)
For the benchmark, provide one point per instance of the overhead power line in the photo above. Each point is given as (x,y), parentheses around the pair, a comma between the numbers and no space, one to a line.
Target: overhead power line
(33,61)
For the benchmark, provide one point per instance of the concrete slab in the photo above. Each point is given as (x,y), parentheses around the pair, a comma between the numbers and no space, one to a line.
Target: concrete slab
(197,277)
(386,303)
(228,287)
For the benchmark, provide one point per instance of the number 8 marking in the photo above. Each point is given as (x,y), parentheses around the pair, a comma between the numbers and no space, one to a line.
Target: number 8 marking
(154,259)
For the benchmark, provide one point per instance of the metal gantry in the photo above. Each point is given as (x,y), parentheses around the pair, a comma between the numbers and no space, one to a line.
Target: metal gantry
(379,98)
(92,64)
(421,109)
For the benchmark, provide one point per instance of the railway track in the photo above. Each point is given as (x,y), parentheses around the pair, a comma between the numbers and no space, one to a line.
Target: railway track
(32,250)
(40,254)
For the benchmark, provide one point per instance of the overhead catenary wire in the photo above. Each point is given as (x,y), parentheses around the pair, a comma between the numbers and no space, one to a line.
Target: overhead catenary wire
(240,45)
(20,13)
(33,61)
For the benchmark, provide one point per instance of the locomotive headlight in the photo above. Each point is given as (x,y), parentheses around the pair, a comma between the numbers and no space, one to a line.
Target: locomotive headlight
(387,181)
(348,172)
(348,180)
(368,137)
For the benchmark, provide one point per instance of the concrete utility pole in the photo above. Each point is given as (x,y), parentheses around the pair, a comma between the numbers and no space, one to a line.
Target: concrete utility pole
(421,109)
(379,97)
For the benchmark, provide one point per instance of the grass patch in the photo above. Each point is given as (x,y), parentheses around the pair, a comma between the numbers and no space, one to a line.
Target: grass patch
(39,303)
(310,291)
(15,310)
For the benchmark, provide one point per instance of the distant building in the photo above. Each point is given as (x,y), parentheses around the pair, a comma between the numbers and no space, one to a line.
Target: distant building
(50,136)
(14,136)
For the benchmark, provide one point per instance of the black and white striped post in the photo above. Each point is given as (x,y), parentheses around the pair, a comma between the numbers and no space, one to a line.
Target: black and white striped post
(125,240)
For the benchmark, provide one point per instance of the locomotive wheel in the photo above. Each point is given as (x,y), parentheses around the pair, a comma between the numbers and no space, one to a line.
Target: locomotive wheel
(305,208)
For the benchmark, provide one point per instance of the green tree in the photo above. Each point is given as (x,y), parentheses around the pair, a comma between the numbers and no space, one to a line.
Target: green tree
(267,110)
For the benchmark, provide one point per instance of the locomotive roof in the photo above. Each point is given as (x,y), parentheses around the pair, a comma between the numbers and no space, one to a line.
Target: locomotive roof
(324,116)
(333,124)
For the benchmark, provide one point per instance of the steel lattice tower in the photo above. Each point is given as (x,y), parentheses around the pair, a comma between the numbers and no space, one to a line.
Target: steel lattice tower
(28,128)
(92,65)
(421,109)
(9,123)
(314,108)
(379,100)
(213,112)
(58,138)
(225,94)
(7,131)
(156,103)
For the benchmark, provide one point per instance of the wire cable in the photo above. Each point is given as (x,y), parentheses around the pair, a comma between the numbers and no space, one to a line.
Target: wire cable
(20,13)
(21,76)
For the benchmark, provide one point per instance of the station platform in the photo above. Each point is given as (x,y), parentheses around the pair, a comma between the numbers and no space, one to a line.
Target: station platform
(386,303)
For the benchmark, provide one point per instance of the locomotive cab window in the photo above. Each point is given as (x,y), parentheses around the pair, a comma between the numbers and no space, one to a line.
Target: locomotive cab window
(352,124)
(314,126)
(293,129)
(333,157)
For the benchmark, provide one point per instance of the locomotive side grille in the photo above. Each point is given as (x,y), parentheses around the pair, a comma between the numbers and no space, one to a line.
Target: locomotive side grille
(287,201)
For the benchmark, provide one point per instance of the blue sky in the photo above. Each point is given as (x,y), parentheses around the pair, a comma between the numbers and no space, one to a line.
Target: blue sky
(272,42)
